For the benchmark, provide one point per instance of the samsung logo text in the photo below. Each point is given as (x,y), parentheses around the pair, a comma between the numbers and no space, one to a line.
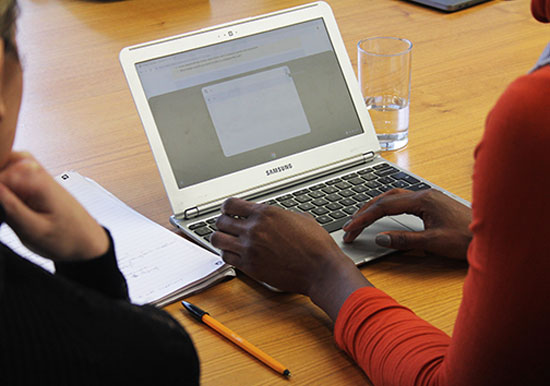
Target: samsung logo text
(278,169)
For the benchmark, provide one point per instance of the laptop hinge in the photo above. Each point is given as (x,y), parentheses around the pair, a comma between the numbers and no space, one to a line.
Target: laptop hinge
(264,189)
(191,213)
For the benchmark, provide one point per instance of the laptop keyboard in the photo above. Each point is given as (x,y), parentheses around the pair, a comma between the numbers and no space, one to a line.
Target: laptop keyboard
(332,202)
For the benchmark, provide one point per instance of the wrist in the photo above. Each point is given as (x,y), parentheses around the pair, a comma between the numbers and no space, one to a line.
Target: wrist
(97,246)
(336,280)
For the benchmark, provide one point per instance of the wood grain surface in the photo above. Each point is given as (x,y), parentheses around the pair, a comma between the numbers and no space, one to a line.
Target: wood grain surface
(78,114)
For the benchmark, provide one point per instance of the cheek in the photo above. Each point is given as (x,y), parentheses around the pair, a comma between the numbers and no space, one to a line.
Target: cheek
(12,92)
(5,149)
(15,94)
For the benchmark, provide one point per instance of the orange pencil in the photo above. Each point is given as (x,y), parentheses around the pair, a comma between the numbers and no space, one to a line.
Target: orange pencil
(204,317)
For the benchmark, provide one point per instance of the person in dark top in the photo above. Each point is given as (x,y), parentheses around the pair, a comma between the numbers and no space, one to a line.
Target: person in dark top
(77,326)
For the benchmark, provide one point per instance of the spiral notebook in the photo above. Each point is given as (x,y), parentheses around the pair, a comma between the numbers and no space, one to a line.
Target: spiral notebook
(159,265)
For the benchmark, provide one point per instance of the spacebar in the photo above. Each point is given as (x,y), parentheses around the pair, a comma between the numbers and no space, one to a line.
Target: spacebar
(336,225)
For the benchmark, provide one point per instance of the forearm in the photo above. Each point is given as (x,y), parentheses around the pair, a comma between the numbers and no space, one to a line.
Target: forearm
(335,283)
(389,342)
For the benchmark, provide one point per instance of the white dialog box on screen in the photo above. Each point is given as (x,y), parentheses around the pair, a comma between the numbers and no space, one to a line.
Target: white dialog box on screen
(255,110)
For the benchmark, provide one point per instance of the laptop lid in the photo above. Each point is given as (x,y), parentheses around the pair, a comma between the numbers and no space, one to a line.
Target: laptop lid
(448,5)
(245,106)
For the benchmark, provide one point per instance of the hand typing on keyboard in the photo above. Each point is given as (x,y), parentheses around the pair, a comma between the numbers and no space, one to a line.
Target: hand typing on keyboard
(287,250)
(446,222)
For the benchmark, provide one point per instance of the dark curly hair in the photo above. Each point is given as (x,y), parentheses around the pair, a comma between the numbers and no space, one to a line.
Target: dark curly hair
(8,16)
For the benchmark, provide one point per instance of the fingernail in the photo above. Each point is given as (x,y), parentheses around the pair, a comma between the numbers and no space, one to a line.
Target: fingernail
(383,240)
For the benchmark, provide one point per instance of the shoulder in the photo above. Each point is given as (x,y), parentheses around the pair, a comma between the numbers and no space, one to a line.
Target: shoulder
(525,104)
(530,86)
(519,123)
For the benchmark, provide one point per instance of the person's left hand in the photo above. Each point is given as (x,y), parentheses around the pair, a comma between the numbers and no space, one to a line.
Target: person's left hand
(287,250)
(45,217)
(446,222)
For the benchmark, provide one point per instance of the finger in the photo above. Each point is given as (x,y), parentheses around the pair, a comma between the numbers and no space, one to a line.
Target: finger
(366,216)
(19,216)
(371,202)
(352,235)
(20,172)
(404,240)
(394,202)
(231,225)
(238,207)
(306,215)
(383,196)
(225,242)
(231,258)
(433,241)
(18,156)
(23,161)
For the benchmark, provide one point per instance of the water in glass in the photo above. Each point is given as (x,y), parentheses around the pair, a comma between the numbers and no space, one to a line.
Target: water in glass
(390,117)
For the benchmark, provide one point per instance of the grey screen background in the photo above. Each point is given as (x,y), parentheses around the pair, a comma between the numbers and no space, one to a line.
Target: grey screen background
(189,136)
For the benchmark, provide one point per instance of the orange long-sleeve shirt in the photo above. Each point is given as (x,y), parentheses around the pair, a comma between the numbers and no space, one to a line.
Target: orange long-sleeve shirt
(502,332)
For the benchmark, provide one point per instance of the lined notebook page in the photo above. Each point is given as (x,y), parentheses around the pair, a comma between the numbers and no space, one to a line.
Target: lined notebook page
(155,261)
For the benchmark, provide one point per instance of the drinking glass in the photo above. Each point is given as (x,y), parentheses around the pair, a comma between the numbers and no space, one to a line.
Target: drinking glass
(384,72)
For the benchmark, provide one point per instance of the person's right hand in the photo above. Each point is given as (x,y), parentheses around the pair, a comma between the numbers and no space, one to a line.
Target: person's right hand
(45,217)
(446,222)
(287,250)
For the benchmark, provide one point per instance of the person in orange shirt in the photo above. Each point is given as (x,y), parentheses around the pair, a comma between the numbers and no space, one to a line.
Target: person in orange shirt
(501,335)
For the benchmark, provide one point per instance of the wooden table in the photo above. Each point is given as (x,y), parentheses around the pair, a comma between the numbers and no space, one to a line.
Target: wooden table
(78,114)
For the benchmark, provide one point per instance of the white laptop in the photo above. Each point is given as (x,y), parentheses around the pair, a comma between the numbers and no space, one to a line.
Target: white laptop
(268,109)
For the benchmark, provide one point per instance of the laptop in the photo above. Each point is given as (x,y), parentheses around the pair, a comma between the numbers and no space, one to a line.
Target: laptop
(267,109)
(448,5)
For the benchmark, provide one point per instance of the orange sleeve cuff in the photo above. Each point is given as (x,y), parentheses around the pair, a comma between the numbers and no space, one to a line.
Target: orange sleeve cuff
(388,341)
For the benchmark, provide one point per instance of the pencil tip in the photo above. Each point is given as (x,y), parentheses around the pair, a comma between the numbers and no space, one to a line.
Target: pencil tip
(286,373)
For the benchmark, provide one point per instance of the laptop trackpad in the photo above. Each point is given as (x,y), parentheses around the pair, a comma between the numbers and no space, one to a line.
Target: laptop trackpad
(363,248)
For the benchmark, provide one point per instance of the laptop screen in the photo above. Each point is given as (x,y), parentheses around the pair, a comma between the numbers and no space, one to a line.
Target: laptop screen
(247,101)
